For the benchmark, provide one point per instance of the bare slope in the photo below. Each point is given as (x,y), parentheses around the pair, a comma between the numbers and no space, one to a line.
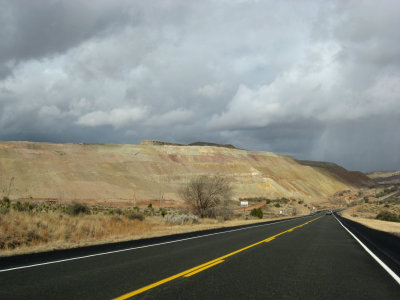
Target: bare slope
(131,173)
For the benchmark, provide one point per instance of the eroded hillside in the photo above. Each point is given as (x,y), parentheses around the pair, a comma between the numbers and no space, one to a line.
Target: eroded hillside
(128,174)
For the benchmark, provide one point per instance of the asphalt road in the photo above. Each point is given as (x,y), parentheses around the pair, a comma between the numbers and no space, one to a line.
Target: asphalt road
(307,258)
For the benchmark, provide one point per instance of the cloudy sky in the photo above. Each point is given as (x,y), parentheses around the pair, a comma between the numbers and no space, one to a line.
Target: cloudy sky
(317,80)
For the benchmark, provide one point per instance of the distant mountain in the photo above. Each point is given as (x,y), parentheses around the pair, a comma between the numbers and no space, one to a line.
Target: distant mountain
(355,178)
(126,174)
(385,177)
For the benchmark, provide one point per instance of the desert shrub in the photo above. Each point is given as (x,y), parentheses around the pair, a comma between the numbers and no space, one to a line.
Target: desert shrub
(268,201)
(17,206)
(385,192)
(284,200)
(27,206)
(77,208)
(163,212)
(109,212)
(4,205)
(366,199)
(277,205)
(300,202)
(4,210)
(5,202)
(134,215)
(257,212)
(180,219)
(149,211)
(253,199)
(385,215)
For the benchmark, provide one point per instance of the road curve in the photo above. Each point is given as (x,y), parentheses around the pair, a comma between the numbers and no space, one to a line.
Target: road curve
(306,258)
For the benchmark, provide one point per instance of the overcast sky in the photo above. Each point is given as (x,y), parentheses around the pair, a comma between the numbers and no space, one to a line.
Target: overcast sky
(317,80)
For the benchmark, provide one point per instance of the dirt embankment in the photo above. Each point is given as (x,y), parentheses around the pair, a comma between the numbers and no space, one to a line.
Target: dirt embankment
(134,174)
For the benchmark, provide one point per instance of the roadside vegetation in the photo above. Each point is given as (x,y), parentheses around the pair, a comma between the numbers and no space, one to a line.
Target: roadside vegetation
(29,226)
(32,226)
(377,207)
(257,212)
(385,215)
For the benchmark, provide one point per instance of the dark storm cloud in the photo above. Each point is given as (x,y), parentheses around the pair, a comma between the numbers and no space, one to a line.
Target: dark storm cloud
(303,78)
(35,29)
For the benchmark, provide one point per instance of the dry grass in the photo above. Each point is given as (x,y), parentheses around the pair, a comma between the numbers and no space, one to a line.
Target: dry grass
(23,232)
(390,227)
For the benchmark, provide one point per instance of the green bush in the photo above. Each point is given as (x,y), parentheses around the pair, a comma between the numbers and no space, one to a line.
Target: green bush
(163,212)
(109,212)
(366,199)
(27,206)
(5,202)
(385,215)
(277,205)
(17,206)
(257,212)
(77,208)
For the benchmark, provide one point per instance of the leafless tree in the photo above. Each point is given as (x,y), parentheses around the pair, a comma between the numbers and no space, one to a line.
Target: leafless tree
(204,193)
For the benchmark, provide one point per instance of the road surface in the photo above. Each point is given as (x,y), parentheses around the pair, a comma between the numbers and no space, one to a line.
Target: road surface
(306,258)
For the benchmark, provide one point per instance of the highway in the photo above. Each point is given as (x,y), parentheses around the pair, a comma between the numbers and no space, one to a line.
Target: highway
(306,258)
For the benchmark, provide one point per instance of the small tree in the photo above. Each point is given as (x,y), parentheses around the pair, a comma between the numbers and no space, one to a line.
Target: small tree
(204,193)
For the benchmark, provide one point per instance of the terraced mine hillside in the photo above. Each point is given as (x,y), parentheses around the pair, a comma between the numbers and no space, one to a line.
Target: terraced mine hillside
(155,171)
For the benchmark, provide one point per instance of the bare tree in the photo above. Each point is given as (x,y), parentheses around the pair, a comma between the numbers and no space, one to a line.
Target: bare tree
(204,193)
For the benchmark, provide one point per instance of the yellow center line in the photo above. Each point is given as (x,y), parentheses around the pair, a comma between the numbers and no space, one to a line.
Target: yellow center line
(205,266)
(202,269)
(269,239)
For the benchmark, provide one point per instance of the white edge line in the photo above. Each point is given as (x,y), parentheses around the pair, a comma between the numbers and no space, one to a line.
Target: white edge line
(381,263)
(140,247)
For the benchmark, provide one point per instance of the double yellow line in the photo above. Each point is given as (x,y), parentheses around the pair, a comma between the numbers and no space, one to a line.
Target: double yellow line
(206,265)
